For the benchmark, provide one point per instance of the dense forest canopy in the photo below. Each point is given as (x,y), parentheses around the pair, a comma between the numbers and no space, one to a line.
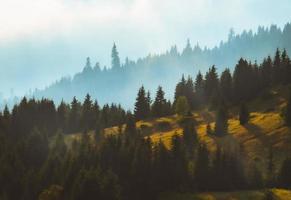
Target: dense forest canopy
(123,78)
(38,163)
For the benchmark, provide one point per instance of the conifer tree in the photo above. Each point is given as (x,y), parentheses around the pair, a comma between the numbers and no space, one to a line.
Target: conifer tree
(266,71)
(74,116)
(226,85)
(211,83)
(62,116)
(199,88)
(141,110)
(244,115)
(277,70)
(159,105)
(115,62)
(87,115)
(180,89)
(221,121)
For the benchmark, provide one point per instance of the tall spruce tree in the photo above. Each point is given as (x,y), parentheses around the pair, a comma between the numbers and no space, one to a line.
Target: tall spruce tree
(141,110)
(87,114)
(159,105)
(211,83)
(221,124)
(74,116)
(277,70)
(226,85)
(199,88)
(115,61)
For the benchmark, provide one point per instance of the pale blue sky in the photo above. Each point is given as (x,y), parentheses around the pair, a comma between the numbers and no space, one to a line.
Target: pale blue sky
(42,40)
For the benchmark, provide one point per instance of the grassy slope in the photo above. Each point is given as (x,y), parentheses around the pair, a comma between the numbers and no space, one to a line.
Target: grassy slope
(266,127)
(279,194)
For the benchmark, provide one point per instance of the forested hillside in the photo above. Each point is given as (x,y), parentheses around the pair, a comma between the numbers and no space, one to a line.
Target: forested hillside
(122,78)
(222,133)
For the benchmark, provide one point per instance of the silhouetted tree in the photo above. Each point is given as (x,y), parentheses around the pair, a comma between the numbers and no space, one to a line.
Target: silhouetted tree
(243,114)
(221,124)
(159,105)
(141,110)
(115,62)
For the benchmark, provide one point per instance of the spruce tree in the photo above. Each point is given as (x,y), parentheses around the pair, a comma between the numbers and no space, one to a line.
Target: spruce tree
(115,62)
(244,115)
(277,70)
(74,116)
(221,121)
(159,105)
(87,115)
(141,110)
(199,89)
(226,85)
(211,83)
(62,116)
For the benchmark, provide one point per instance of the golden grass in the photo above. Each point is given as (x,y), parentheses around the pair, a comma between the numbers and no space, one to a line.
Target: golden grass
(280,194)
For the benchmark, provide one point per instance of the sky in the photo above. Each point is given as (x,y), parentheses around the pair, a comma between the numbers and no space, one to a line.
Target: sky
(43,40)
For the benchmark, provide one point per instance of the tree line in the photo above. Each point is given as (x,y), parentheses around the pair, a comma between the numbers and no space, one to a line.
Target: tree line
(39,162)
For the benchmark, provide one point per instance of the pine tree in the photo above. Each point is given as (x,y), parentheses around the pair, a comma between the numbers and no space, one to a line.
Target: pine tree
(115,62)
(221,121)
(74,116)
(199,88)
(226,85)
(62,116)
(266,71)
(87,115)
(277,70)
(141,110)
(159,105)
(180,89)
(96,117)
(211,83)
(244,115)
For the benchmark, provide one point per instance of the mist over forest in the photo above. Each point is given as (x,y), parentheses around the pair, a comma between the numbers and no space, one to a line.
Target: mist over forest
(118,83)
(122,80)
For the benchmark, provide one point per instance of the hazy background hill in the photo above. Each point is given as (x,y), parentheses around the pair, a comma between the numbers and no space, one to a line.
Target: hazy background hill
(119,83)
